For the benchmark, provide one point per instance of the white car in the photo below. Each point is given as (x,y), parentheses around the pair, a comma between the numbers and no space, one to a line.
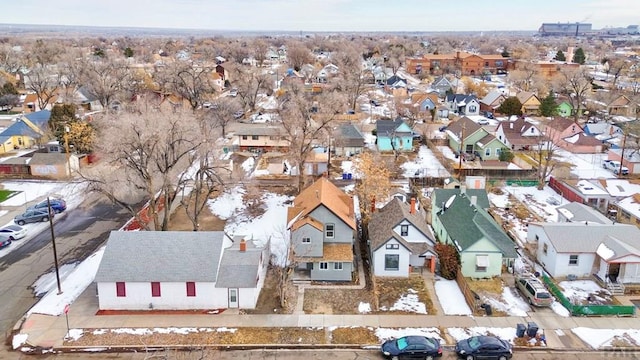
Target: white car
(13,232)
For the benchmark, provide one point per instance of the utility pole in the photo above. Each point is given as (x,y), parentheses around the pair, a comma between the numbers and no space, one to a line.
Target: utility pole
(66,148)
(53,241)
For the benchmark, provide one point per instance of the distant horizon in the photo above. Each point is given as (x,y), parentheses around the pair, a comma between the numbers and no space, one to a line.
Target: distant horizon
(326,16)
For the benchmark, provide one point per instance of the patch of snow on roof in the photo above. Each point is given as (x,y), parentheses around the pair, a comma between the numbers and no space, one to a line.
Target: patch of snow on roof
(572,139)
(604,252)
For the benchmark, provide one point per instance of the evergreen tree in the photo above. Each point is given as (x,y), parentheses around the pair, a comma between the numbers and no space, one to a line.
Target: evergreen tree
(579,57)
(560,56)
(511,106)
(505,53)
(548,107)
(128,52)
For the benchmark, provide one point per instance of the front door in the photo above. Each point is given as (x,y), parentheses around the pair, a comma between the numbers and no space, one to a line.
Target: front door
(233,298)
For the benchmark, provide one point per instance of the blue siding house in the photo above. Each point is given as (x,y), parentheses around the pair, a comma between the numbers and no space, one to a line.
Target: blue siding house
(394,135)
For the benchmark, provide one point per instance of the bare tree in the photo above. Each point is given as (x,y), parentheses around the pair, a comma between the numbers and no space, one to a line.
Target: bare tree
(44,81)
(576,84)
(523,75)
(260,48)
(297,55)
(106,79)
(221,113)
(146,155)
(192,82)
(351,79)
(373,184)
(305,119)
(617,67)
(545,155)
(44,52)
(249,84)
(10,60)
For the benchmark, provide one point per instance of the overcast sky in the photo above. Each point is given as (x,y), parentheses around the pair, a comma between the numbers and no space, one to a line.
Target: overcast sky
(323,15)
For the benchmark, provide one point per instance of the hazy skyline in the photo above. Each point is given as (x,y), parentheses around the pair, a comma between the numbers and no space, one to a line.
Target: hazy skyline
(324,15)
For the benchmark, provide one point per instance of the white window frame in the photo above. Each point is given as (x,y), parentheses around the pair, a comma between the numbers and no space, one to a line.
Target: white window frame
(392,246)
(404,230)
(331,231)
(337,266)
(306,240)
(385,262)
(323,265)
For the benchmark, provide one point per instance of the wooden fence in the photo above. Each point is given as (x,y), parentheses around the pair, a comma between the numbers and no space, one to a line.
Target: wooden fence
(469,295)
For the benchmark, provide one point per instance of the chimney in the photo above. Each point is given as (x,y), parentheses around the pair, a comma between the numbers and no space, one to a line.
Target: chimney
(243,245)
(373,204)
(412,210)
(510,125)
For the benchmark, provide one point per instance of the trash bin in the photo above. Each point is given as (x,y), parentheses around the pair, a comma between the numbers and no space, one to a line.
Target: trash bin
(344,176)
(532,329)
(487,309)
(349,176)
(520,330)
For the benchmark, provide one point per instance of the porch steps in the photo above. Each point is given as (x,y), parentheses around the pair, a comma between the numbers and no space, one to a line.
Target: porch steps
(615,288)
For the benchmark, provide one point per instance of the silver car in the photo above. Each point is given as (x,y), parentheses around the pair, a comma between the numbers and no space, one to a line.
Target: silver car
(33,216)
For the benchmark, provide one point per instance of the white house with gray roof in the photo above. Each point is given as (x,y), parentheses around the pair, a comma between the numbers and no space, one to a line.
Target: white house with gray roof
(610,252)
(577,212)
(180,270)
(399,239)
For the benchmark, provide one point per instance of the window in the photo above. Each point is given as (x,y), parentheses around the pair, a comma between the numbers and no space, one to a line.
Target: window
(486,63)
(306,240)
(274,138)
(499,63)
(392,262)
(121,289)
(244,137)
(573,259)
(482,263)
(404,230)
(545,248)
(329,231)
(487,152)
(324,266)
(254,137)
(498,151)
(472,108)
(392,246)
(191,289)
(532,130)
(155,289)
(337,266)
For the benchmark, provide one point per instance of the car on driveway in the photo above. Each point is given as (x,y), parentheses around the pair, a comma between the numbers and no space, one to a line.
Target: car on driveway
(33,216)
(412,347)
(484,347)
(57,205)
(4,241)
(13,232)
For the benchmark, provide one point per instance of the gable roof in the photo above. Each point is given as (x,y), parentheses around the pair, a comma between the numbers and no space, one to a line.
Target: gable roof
(469,126)
(524,96)
(48,159)
(23,125)
(582,139)
(460,99)
(322,192)
(492,96)
(387,127)
(440,196)
(165,256)
(394,212)
(561,124)
(514,130)
(239,269)
(578,212)
(349,131)
(586,238)
(478,224)
(441,81)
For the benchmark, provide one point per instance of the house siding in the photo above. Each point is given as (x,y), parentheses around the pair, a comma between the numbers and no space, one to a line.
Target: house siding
(330,274)
(379,260)
(312,249)
(481,247)
(414,235)
(173,297)
(342,234)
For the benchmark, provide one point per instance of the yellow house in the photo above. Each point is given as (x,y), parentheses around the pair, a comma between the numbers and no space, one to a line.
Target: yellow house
(28,131)
(530,102)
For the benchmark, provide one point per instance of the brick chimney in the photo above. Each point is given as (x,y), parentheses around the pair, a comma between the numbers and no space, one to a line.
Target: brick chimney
(373,205)
(243,245)
(412,210)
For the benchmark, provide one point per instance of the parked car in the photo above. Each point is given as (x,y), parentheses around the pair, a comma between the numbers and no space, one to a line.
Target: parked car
(33,216)
(238,114)
(57,205)
(534,290)
(614,166)
(233,92)
(412,347)
(374,102)
(483,122)
(484,347)
(14,232)
(4,241)
(442,128)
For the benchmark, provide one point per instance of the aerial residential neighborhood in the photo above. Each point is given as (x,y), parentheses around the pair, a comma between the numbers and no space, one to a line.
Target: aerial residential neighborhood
(182,193)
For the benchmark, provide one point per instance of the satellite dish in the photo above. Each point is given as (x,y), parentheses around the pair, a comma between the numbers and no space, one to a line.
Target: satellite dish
(449,202)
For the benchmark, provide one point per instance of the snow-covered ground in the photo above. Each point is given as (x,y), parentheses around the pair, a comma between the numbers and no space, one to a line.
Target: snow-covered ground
(425,165)
(446,290)
(580,291)
(507,334)
(409,303)
(510,303)
(605,338)
(586,166)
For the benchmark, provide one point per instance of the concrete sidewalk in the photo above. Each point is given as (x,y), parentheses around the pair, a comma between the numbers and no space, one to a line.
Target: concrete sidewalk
(49,331)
